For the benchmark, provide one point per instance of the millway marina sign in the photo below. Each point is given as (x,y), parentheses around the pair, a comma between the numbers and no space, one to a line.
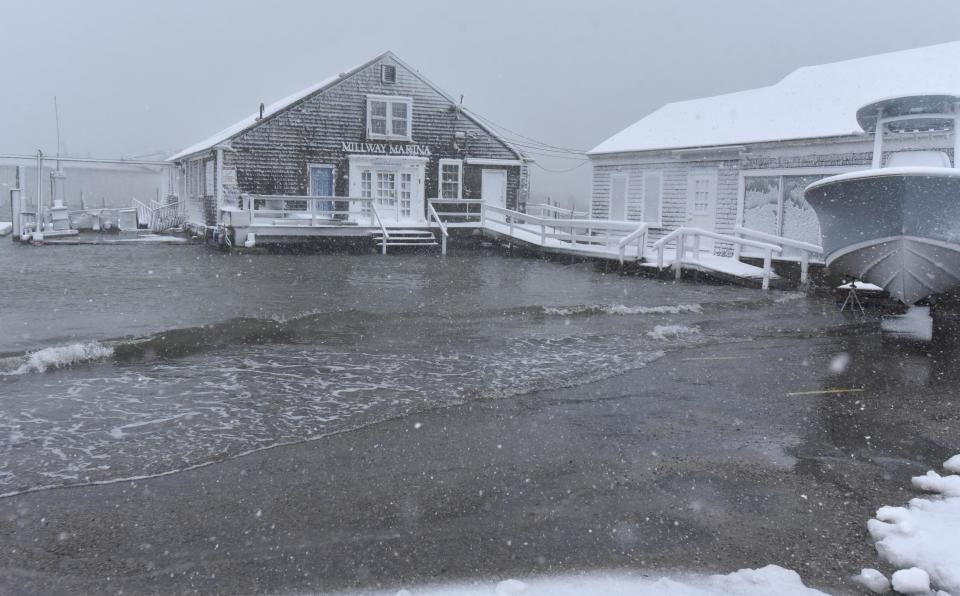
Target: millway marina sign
(386,149)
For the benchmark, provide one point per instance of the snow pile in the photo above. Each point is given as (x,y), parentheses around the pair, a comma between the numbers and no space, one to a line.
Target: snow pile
(672,331)
(5,227)
(923,538)
(873,580)
(619,309)
(915,324)
(746,582)
(60,356)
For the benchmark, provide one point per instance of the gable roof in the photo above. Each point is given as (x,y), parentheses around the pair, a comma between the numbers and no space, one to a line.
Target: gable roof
(288,102)
(810,102)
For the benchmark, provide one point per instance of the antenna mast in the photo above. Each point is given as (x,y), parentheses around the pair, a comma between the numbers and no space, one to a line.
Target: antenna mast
(56,112)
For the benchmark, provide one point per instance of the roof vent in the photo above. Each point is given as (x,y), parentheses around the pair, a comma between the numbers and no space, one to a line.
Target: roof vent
(261,111)
(388,73)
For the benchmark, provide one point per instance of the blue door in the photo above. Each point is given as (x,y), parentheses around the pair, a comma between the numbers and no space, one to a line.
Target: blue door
(321,185)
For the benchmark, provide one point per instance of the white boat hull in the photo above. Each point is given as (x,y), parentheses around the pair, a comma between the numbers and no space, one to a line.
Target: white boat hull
(907,267)
(898,228)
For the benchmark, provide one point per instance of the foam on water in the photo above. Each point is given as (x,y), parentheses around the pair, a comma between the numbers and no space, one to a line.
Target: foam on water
(620,309)
(58,357)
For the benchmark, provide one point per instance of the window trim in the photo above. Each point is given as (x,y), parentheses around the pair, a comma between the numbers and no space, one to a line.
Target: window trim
(390,100)
(459,164)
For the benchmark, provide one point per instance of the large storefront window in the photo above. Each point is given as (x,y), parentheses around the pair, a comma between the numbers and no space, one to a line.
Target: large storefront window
(775,205)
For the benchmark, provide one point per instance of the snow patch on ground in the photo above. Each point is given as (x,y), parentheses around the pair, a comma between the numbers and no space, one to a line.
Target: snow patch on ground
(915,324)
(746,582)
(672,331)
(923,538)
(619,309)
(60,356)
(5,227)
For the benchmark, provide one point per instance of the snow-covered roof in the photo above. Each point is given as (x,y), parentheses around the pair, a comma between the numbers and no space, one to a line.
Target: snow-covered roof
(810,102)
(268,111)
(279,106)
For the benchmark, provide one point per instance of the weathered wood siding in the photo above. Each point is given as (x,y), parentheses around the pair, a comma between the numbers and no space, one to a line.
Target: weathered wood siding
(272,157)
(828,155)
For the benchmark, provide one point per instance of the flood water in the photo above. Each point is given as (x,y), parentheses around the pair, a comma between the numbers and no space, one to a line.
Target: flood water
(118,362)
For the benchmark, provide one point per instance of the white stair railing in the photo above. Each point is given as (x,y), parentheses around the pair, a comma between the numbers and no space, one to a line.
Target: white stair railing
(444,234)
(680,235)
(640,236)
(807,250)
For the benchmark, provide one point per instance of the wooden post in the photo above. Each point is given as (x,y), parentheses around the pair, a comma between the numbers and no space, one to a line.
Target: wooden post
(804,266)
(737,247)
(678,261)
(543,234)
(443,243)
(767,259)
(696,247)
(483,215)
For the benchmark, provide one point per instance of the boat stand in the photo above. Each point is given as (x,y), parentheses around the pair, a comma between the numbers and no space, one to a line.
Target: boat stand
(853,300)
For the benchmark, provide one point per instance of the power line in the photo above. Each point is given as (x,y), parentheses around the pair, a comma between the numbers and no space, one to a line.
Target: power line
(542,144)
(561,171)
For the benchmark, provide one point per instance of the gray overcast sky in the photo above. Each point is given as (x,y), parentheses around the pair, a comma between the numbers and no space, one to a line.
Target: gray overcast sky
(133,78)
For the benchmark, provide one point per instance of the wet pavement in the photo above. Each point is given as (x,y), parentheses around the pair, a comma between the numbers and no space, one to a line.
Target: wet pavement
(759,449)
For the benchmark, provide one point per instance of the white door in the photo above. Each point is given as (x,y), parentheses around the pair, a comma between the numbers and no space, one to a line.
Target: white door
(493,188)
(618,197)
(702,205)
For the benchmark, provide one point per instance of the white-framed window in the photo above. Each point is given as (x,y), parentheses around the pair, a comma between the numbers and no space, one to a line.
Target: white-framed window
(451,179)
(653,197)
(406,194)
(389,117)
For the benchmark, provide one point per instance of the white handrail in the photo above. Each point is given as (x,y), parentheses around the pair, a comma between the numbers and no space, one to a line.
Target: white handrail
(383,228)
(780,240)
(612,224)
(807,250)
(443,228)
(679,235)
(639,235)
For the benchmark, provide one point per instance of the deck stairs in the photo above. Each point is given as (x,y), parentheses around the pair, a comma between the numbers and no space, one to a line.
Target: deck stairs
(405,237)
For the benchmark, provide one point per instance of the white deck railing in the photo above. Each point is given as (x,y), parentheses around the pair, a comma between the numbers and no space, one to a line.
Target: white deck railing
(548,210)
(590,234)
(679,238)
(458,212)
(159,217)
(310,211)
(807,250)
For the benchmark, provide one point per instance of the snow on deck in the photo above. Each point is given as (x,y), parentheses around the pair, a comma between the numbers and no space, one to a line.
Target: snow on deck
(810,102)
(706,262)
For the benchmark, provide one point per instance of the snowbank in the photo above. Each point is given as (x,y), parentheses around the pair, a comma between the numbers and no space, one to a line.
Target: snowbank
(746,582)
(5,227)
(923,538)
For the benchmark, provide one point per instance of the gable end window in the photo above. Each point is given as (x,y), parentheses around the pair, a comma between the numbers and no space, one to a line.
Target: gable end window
(388,73)
(389,117)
